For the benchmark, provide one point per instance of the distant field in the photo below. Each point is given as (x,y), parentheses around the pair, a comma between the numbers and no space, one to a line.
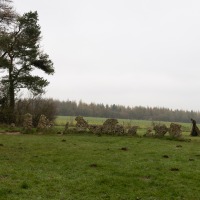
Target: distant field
(87,167)
(143,124)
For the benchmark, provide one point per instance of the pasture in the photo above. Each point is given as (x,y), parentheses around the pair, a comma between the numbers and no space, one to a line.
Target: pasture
(88,167)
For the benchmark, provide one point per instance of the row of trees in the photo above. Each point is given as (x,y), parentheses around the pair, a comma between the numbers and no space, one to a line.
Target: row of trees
(72,108)
(51,108)
(20,55)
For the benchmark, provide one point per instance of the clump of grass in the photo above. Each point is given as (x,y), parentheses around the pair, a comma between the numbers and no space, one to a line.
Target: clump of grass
(29,131)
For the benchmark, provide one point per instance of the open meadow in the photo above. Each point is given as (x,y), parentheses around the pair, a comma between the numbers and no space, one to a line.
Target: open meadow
(87,167)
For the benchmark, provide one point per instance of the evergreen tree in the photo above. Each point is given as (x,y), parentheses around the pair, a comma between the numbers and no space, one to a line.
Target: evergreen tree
(20,54)
(7,13)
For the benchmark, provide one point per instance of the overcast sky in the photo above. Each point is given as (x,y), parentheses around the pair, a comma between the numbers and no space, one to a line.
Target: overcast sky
(127,52)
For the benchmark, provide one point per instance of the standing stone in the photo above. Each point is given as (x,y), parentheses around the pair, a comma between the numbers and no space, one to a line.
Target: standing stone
(133,131)
(51,124)
(12,125)
(175,130)
(95,129)
(195,130)
(149,132)
(66,130)
(43,123)
(28,121)
(119,130)
(160,130)
(81,124)
(109,126)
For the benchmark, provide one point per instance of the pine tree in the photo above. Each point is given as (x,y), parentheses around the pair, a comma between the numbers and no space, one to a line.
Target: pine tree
(20,54)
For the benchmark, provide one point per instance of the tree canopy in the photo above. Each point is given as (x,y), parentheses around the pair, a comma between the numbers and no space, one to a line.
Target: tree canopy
(20,54)
(7,13)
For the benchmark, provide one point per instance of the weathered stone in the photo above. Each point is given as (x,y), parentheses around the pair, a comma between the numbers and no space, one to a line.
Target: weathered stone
(51,124)
(195,130)
(92,128)
(43,123)
(119,130)
(12,125)
(160,130)
(133,131)
(109,126)
(28,121)
(81,124)
(66,130)
(149,132)
(95,129)
(67,126)
(175,130)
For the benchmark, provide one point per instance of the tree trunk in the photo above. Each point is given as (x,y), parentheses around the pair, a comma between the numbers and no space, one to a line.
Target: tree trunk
(11,97)
(11,87)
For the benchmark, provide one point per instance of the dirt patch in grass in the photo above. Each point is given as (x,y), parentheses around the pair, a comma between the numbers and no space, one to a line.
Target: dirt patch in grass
(174,169)
(124,149)
(191,159)
(10,133)
(94,165)
(165,156)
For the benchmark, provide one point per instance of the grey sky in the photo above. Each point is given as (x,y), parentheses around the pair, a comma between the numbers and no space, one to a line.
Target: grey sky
(128,52)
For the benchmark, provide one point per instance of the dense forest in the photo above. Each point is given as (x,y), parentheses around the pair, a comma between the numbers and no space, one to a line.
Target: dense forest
(72,108)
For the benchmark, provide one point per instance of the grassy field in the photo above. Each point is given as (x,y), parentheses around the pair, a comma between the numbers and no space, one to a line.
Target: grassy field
(87,167)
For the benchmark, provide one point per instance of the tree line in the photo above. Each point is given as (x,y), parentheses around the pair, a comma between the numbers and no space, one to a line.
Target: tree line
(51,108)
(72,108)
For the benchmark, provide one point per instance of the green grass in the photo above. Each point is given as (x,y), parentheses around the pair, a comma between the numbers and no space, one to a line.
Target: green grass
(87,167)
(7,128)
